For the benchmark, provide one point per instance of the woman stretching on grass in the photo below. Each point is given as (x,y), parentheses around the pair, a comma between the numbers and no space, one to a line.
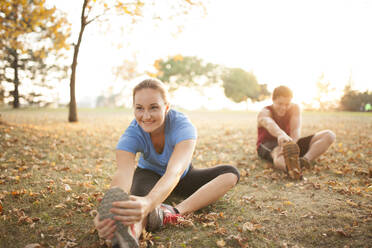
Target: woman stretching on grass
(166,140)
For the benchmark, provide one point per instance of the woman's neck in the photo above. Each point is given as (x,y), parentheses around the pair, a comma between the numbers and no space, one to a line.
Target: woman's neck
(158,140)
(158,132)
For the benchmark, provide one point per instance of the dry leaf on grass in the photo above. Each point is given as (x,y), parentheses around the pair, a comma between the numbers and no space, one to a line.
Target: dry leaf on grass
(35,245)
(221,243)
(341,232)
(249,226)
(67,188)
(288,203)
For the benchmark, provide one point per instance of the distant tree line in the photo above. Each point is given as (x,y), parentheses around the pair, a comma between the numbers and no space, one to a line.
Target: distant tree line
(33,37)
(190,71)
(242,86)
(353,100)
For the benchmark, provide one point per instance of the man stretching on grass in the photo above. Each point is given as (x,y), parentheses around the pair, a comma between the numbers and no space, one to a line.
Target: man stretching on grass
(279,139)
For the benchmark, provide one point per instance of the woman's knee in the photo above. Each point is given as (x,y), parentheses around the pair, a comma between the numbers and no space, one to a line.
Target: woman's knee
(230,173)
(229,179)
(233,175)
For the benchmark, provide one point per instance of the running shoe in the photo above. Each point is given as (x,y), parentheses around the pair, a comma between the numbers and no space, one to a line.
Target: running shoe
(124,235)
(291,153)
(161,216)
(305,163)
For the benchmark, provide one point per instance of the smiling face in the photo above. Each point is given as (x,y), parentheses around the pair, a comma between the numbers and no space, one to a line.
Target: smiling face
(281,105)
(150,110)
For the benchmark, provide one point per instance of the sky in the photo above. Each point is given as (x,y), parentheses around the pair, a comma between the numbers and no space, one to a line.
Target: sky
(290,42)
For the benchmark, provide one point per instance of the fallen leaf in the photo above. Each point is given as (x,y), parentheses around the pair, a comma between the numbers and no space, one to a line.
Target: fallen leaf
(288,203)
(15,193)
(342,232)
(70,244)
(288,185)
(61,205)
(337,172)
(221,243)
(67,188)
(369,189)
(351,203)
(35,245)
(249,226)
(220,230)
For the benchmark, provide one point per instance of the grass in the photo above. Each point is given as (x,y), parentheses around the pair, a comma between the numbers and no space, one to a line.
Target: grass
(53,173)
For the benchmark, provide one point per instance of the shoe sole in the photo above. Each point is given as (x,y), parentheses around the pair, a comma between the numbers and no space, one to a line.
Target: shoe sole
(291,153)
(155,220)
(305,163)
(122,237)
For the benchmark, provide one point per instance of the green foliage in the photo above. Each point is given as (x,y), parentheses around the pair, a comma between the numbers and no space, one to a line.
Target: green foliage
(353,100)
(185,71)
(240,86)
(30,33)
(191,71)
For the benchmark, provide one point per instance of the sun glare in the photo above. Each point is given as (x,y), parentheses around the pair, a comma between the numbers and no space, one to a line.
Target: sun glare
(285,42)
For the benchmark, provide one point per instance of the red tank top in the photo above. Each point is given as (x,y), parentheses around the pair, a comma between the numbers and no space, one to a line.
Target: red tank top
(283,122)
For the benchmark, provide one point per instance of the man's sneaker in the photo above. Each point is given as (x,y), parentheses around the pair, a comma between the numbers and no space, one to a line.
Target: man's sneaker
(291,153)
(124,236)
(161,216)
(305,163)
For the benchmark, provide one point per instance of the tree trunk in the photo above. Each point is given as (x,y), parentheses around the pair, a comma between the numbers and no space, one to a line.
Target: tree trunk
(16,82)
(2,95)
(72,116)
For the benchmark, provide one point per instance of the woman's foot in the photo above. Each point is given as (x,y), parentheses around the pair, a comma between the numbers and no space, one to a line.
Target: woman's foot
(124,235)
(161,216)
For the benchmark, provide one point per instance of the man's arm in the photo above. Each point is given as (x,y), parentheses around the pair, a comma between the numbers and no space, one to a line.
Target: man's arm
(295,123)
(265,120)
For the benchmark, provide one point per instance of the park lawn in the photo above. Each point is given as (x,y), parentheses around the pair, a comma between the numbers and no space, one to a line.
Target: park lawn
(53,174)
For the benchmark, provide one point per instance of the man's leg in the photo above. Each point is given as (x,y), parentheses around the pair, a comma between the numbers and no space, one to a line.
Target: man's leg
(278,158)
(320,142)
(272,152)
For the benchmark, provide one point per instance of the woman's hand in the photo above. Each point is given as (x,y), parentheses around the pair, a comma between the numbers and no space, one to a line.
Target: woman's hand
(105,228)
(133,211)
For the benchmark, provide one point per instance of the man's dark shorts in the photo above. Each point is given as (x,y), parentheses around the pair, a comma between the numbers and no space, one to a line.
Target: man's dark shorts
(265,149)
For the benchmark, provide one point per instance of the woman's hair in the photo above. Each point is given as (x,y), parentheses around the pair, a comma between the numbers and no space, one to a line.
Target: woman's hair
(155,84)
(282,91)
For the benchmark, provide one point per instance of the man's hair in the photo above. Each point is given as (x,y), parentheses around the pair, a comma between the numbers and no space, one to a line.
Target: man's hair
(282,91)
(154,84)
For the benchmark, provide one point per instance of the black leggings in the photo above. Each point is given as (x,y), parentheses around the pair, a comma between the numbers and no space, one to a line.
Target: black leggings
(144,180)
